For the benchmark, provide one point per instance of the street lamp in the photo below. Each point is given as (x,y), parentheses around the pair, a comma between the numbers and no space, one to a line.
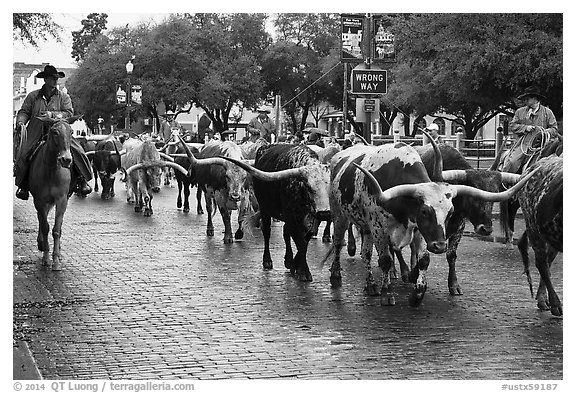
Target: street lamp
(129,69)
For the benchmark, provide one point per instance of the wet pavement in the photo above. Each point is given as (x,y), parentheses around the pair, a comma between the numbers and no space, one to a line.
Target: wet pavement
(155,298)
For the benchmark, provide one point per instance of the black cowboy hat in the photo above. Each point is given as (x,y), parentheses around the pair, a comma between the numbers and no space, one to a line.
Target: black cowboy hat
(532,91)
(50,71)
(228,132)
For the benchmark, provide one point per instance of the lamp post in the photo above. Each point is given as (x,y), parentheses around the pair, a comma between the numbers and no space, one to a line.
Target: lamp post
(129,69)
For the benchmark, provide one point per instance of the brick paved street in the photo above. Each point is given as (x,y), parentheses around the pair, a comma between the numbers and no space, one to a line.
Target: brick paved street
(154,298)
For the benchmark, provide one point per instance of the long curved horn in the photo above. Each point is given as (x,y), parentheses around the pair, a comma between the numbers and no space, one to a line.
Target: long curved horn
(267,176)
(122,152)
(454,175)
(393,192)
(510,178)
(166,156)
(492,196)
(177,167)
(199,161)
(134,167)
(90,153)
(438,165)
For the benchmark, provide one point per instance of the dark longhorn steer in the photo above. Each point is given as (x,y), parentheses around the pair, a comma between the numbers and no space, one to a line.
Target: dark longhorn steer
(223,182)
(144,174)
(542,206)
(412,209)
(290,185)
(106,162)
(185,182)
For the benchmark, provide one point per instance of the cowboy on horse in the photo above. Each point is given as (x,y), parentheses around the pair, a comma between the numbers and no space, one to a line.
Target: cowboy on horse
(536,126)
(47,103)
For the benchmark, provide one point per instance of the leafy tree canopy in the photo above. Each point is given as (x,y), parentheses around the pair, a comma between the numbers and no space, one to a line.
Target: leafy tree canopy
(92,27)
(34,27)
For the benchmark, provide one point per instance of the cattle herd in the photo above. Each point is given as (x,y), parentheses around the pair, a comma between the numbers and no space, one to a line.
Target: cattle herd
(393,195)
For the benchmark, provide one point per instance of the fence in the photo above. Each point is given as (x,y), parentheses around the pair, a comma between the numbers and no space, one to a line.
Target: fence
(480,153)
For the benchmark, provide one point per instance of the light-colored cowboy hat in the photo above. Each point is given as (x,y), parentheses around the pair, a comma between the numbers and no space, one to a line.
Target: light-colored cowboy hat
(263,109)
(433,127)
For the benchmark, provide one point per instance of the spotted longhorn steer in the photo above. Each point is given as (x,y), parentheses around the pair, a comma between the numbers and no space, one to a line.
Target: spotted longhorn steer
(223,182)
(542,206)
(144,174)
(412,209)
(290,185)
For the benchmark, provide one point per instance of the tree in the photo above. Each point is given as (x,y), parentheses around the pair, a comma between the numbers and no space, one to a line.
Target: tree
(296,65)
(92,27)
(33,27)
(200,59)
(471,66)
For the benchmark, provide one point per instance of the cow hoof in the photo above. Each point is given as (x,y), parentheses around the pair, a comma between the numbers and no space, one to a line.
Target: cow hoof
(239,234)
(186,210)
(455,290)
(288,262)
(267,265)
(336,280)
(137,209)
(228,240)
(405,278)
(209,232)
(56,266)
(178,205)
(372,289)
(557,311)
(303,275)
(388,300)
(147,213)
(200,211)
(326,239)
(543,305)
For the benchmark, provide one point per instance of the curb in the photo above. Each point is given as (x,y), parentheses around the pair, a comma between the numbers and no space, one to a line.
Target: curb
(24,366)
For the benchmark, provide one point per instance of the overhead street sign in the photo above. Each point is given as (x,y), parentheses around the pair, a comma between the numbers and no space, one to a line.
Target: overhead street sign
(372,81)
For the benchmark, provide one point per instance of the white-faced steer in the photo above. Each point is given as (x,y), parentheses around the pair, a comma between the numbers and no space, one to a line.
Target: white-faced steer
(412,209)
(223,181)
(144,174)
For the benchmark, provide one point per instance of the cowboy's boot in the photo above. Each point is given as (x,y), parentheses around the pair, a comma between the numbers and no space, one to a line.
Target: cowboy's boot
(82,187)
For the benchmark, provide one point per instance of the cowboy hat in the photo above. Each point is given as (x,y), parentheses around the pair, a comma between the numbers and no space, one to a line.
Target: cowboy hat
(228,132)
(263,109)
(314,130)
(433,127)
(532,91)
(50,71)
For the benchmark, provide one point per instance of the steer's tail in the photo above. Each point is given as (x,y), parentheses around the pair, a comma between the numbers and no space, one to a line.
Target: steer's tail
(251,222)
(523,247)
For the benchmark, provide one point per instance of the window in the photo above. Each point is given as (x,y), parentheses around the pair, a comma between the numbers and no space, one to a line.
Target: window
(441,125)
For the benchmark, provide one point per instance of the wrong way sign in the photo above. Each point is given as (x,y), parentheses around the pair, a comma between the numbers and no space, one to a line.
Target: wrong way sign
(372,81)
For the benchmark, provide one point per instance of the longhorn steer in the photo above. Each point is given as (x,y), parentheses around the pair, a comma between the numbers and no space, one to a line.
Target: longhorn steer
(458,171)
(185,182)
(223,182)
(144,174)
(389,219)
(290,185)
(542,206)
(106,162)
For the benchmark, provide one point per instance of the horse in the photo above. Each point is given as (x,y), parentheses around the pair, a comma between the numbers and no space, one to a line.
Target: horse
(49,183)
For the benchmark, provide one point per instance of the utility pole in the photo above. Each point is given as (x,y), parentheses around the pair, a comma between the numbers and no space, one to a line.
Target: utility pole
(345,101)
(368,42)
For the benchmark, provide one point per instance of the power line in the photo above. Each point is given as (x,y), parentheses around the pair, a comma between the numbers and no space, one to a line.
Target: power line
(311,84)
